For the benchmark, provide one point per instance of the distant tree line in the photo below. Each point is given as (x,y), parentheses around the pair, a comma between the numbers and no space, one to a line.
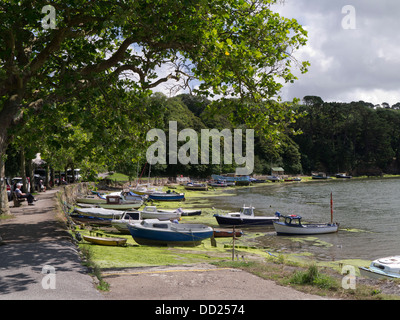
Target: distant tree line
(357,137)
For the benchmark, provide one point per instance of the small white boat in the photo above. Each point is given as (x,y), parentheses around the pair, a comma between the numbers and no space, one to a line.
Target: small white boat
(121,206)
(146,190)
(127,217)
(382,268)
(92,199)
(116,200)
(99,212)
(196,186)
(292,225)
(151,212)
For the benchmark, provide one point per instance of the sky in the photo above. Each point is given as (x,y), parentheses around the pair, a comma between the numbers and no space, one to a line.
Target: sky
(353,48)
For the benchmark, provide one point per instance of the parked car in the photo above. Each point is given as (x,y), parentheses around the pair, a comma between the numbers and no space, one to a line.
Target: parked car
(76,177)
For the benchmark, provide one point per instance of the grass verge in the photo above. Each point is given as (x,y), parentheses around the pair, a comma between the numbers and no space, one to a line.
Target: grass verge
(309,279)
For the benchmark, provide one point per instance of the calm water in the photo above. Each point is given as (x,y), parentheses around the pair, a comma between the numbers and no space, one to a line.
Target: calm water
(370,205)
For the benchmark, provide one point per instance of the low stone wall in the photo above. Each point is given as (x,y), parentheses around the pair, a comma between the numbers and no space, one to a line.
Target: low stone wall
(70,192)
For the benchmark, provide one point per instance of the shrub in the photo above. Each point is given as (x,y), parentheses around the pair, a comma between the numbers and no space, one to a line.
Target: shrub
(313,277)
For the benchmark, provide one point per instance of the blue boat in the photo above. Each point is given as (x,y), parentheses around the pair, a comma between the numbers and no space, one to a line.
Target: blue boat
(156,232)
(230,179)
(91,220)
(167,196)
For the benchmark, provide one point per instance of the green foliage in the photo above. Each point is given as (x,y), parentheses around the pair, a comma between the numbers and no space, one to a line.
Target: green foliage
(313,277)
(348,137)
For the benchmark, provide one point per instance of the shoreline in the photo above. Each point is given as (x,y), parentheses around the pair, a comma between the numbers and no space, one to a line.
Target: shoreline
(172,257)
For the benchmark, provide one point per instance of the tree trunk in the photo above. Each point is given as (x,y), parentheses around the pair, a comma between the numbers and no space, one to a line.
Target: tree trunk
(31,175)
(8,113)
(23,171)
(4,208)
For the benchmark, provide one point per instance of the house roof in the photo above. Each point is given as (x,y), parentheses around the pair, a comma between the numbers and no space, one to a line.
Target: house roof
(277,169)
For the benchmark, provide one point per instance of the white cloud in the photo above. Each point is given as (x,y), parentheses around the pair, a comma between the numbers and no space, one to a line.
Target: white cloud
(348,65)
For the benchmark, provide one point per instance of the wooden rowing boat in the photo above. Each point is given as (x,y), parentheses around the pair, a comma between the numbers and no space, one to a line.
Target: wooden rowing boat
(224,233)
(105,241)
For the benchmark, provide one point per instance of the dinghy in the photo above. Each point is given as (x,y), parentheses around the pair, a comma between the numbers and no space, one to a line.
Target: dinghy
(292,225)
(382,268)
(105,241)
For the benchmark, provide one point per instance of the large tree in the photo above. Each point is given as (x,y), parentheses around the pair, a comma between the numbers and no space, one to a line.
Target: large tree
(233,47)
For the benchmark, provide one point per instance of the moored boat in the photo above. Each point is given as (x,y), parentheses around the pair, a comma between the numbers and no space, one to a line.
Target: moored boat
(167,196)
(151,212)
(382,268)
(105,241)
(98,212)
(230,178)
(292,225)
(218,184)
(127,217)
(320,176)
(92,199)
(155,232)
(90,220)
(342,176)
(196,186)
(121,206)
(292,179)
(245,217)
(227,233)
(111,198)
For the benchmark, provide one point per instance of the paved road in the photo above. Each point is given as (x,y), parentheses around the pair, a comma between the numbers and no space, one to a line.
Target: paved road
(38,260)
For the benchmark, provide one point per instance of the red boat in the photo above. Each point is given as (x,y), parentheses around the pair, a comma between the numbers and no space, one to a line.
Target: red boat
(219,233)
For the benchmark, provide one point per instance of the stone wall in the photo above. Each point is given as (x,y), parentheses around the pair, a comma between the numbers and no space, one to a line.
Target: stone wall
(70,192)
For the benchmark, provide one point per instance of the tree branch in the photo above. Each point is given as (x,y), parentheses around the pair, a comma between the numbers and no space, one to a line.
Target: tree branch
(112,61)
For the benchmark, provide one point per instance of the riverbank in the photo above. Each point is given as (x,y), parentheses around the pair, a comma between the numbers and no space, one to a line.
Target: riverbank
(247,251)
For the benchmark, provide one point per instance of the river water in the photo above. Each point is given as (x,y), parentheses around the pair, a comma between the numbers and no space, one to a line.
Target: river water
(368,211)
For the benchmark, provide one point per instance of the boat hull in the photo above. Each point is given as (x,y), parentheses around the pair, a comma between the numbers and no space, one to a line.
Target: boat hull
(95,221)
(196,188)
(99,212)
(191,212)
(127,206)
(227,233)
(160,215)
(240,221)
(283,228)
(105,241)
(91,200)
(230,179)
(121,226)
(383,268)
(150,236)
(167,197)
